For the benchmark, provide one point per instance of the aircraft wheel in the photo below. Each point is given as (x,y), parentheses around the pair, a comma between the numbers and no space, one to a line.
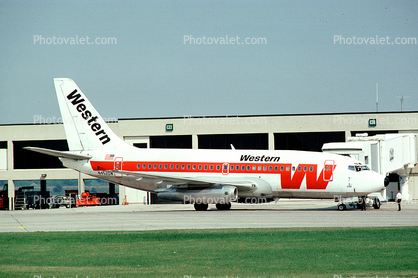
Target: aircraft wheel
(376,203)
(223,206)
(200,207)
(341,207)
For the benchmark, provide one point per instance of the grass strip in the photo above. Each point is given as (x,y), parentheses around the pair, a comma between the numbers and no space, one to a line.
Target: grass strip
(275,252)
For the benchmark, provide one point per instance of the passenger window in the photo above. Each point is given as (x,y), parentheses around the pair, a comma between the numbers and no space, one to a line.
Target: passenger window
(206,167)
(149,166)
(182,167)
(299,169)
(211,167)
(200,167)
(188,167)
(305,169)
(287,168)
(232,167)
(259,168)
(242,168)
(248,168)
(161,166)
(310,169)
(293,168)
(166,166)
(264,168)
(218,167)
(276,168)
(155,166)
(144,166)
(282,168)
(254,168)
(194,167)
(138,166)
(237,168)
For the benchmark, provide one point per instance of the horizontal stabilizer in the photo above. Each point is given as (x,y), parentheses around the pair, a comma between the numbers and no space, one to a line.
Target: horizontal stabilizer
(62,154)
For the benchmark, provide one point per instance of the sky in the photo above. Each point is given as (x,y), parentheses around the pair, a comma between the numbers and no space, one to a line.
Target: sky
(151,59)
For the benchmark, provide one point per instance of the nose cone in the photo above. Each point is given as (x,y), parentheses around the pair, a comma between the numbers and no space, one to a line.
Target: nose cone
(386,182)
(371,182)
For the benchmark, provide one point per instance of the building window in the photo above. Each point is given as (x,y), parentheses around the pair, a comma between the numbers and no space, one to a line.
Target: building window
(25,159)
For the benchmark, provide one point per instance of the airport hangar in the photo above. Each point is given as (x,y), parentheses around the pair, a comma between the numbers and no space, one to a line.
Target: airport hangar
(270,132)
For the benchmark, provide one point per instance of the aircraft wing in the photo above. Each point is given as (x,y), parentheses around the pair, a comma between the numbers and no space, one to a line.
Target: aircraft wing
(243,185)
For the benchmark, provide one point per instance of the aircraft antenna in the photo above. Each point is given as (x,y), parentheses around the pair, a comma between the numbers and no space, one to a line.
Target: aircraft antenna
(402,97)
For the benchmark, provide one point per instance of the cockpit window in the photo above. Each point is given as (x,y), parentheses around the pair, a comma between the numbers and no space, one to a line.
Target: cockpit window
(358,168)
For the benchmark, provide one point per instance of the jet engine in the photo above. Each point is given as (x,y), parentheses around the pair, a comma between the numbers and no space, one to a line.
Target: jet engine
(222,194)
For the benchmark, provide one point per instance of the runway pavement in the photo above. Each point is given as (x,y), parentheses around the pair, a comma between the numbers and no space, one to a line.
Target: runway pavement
(285,213)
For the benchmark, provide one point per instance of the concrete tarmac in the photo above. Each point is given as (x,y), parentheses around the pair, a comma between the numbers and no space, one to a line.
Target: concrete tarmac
(285,213)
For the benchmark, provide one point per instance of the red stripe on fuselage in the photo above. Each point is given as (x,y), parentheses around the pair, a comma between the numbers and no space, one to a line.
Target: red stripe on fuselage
(288,181)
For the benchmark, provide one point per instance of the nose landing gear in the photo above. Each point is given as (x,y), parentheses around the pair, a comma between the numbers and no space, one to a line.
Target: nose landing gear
(357,202)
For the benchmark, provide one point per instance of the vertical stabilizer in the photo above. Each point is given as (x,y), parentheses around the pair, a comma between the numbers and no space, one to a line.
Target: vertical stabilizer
(84,127)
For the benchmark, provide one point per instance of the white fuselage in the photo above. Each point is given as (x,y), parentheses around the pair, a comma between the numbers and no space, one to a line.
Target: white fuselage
(282,174)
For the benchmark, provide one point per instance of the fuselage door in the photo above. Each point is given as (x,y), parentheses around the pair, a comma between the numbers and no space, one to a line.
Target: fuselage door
(329,166)
(117,165)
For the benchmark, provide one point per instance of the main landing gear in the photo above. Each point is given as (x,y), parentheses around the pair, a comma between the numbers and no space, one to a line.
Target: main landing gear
(203,207)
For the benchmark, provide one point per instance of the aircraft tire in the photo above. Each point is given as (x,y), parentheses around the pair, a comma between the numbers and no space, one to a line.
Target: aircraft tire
(223,206)
(376,203)
(341,207)
(201,207)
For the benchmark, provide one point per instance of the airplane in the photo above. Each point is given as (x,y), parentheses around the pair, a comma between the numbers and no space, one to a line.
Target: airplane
(203,177)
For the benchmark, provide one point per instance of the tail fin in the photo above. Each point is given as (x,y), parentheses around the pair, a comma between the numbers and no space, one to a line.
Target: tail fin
(84,127)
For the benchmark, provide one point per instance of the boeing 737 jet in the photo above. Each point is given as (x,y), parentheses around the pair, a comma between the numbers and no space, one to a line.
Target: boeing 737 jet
(202,177)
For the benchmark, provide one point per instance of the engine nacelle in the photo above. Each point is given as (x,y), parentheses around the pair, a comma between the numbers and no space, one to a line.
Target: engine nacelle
(260,189)
(223,194)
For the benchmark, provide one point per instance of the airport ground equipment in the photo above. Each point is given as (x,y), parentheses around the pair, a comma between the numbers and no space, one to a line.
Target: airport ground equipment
(393,155)
(87,200)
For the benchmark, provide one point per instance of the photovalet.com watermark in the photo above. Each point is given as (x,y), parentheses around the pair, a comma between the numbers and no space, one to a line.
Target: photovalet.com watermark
(374,276)
(40,200)
(224,40)
(77,40)
(76,276)
(224,120)
(359,120)
(376,40)
(39,119)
